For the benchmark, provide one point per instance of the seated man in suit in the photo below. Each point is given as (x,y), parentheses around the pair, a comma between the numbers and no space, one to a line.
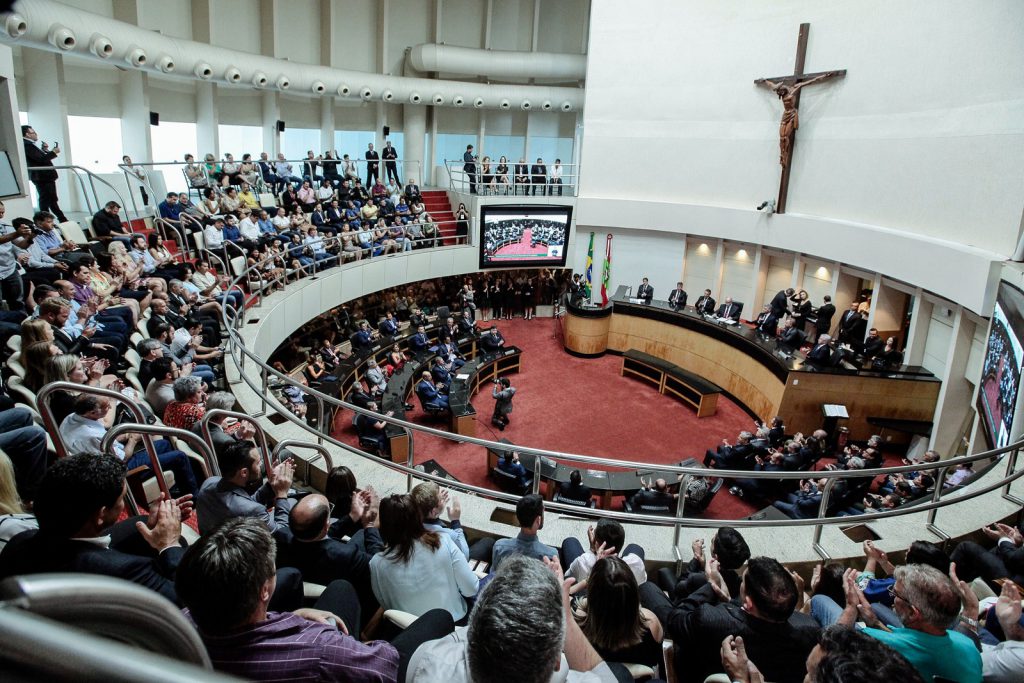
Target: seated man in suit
(323,559)
(705,304)
(777,637)
(467,326)
(492,341)
(678,296)
(766,323)
(376,380)
(729,311)
(227,496)
(509,463)
(732,457)
(77,505)
(419,342)
(440,372)
(653,495)
(358,395)
(821,354)
(574,488)
(449,351)
(790,338)
(804,503)
(731,551)
(873,344)
(431,394)
(388,327)
(364,338)
(645,291)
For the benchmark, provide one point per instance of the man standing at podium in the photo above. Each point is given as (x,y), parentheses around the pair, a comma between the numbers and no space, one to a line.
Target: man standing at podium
(645,292)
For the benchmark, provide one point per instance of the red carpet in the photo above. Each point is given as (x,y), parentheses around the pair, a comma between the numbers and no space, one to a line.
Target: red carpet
(581,406)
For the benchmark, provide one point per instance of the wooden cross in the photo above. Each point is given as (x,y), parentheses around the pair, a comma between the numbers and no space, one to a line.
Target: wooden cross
(788,89)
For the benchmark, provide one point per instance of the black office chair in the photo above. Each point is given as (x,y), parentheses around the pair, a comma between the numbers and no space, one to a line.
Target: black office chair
(739,313)
(559,498)
(442,314)
(508,482)
(648,509)
(432,409)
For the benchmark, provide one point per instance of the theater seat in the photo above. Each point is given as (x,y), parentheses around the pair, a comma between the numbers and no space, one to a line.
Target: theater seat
(507,482)
(108,607)
(559,498)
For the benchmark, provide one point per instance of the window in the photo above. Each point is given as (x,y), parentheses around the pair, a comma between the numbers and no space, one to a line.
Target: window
(354,142)
(451,147)
(171,141)
(238,140)
(95,143)
(295,142)
(512,147)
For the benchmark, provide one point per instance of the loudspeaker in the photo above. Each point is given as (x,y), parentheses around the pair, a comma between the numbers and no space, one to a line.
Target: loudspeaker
(280,126)
(154,118)
(387,131)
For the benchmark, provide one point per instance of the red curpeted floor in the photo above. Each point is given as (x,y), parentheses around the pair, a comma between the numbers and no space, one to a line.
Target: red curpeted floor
(582,406)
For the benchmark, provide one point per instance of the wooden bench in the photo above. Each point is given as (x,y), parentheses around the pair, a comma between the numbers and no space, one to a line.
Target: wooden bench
(672,379)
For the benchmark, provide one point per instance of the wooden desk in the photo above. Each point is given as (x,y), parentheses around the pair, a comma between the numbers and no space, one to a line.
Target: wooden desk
(585,330)
(672,379)
(763,379)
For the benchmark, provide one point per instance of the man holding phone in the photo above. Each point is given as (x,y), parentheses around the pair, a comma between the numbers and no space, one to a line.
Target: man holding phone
(1004,561)
(38,156)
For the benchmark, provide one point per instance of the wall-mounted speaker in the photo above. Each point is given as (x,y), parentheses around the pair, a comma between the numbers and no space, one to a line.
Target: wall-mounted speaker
(154,118)
(387,131)
(280,126)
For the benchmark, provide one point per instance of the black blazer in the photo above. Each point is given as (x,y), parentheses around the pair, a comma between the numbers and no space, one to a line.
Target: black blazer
(779,304)
(825,314)
(677,297)
(68,345)
(820,355)
(705,305)
(700,624)
(645,292)
(767,323)
(730,311)
(329,559)
(37,157)
(36,552)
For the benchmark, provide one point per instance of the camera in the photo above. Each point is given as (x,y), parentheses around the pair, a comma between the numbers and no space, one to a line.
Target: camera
(768,206)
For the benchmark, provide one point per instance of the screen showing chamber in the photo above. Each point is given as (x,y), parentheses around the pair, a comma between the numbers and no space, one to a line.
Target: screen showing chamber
(1000,374)
(518,236)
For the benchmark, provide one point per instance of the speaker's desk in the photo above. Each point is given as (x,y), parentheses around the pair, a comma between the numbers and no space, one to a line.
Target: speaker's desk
(768,382)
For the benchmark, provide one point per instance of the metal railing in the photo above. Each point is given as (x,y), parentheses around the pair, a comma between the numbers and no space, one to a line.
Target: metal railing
(463,177)
(93,201)
(239,355)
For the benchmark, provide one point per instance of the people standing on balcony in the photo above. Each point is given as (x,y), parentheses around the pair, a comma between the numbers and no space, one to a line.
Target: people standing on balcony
(38,155)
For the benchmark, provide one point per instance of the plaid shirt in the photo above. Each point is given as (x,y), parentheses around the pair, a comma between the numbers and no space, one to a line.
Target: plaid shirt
(288,647)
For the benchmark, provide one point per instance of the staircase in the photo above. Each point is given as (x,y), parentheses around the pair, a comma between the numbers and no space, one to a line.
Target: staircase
(437,205)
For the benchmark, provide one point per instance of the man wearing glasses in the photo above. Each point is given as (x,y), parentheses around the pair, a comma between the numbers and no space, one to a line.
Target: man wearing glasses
(928,604)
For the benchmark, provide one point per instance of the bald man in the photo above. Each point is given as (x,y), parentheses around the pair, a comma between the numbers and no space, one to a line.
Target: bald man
(322,559)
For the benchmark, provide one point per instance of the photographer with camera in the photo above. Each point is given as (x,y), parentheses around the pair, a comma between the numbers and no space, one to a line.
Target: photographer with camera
(503,392)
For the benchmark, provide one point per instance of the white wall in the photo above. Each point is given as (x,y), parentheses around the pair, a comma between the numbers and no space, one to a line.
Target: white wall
(924,134)
(635,254)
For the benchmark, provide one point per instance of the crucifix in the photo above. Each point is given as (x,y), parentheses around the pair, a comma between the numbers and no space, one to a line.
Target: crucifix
(788,90)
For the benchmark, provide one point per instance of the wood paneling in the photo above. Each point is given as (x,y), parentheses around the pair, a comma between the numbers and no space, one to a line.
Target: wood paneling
(588,336)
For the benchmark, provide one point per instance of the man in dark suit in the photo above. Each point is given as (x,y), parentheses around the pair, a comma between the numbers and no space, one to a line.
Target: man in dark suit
(574,489)
(851,327)
(705,304)
(78,502)
(388,327)
(825,314)
(790,337)
(364,338)
(804,503)
(55,311)
(372,165)
(45,180)
(440,372)
(1005,560)
(492,341)
(322,559)
(653,495)
(469,167)
(732,457)
(678,296)
(645,291)
(412,191)
(777,638)
(821,354)
(390,156)
(539,177)
(766,323)
(419,342)
(729,310)
(780,302)
(430,393)
(521,177)
(873,344)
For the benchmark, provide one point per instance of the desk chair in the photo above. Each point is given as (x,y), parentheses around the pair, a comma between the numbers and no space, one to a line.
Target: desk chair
(559,498)
(508,482)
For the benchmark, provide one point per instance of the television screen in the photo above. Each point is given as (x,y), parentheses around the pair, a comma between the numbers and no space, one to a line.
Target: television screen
(523,236)
(1000,373)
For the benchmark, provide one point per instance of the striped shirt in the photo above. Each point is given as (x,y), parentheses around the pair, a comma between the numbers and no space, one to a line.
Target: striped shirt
(287,647)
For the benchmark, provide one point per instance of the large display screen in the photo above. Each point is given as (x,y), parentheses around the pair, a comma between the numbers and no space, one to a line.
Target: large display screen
(1000,374)
(523,236)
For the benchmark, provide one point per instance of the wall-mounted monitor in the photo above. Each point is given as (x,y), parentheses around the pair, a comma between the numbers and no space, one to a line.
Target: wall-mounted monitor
(1000,373)
(521,236)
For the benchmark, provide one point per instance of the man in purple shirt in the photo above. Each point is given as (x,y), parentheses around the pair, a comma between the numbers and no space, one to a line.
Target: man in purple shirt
(226,580)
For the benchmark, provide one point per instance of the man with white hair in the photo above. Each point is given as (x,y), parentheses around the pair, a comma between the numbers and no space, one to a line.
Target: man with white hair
(821,354)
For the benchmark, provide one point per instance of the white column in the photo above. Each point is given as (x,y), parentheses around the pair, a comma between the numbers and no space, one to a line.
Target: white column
(271,115)
(327,123)
(207,120)
(48,114)
(955,394)
(414,154)
(136,139)
(719,270)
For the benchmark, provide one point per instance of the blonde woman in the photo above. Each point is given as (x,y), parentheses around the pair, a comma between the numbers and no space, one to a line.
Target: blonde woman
(13,518)
(34,330)
(124,266)
(33,359)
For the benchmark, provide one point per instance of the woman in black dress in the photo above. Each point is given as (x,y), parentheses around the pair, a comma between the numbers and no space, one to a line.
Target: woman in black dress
(529,300)
(461,221)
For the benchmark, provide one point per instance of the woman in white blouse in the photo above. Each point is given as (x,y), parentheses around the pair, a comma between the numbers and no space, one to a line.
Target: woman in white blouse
(420,570)
(555,176)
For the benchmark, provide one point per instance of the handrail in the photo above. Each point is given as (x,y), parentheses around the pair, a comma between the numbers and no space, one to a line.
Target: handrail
(262,442)
(295,443)
(164,431)
(43,402)
(236,347)
(93,177)
(459,179)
